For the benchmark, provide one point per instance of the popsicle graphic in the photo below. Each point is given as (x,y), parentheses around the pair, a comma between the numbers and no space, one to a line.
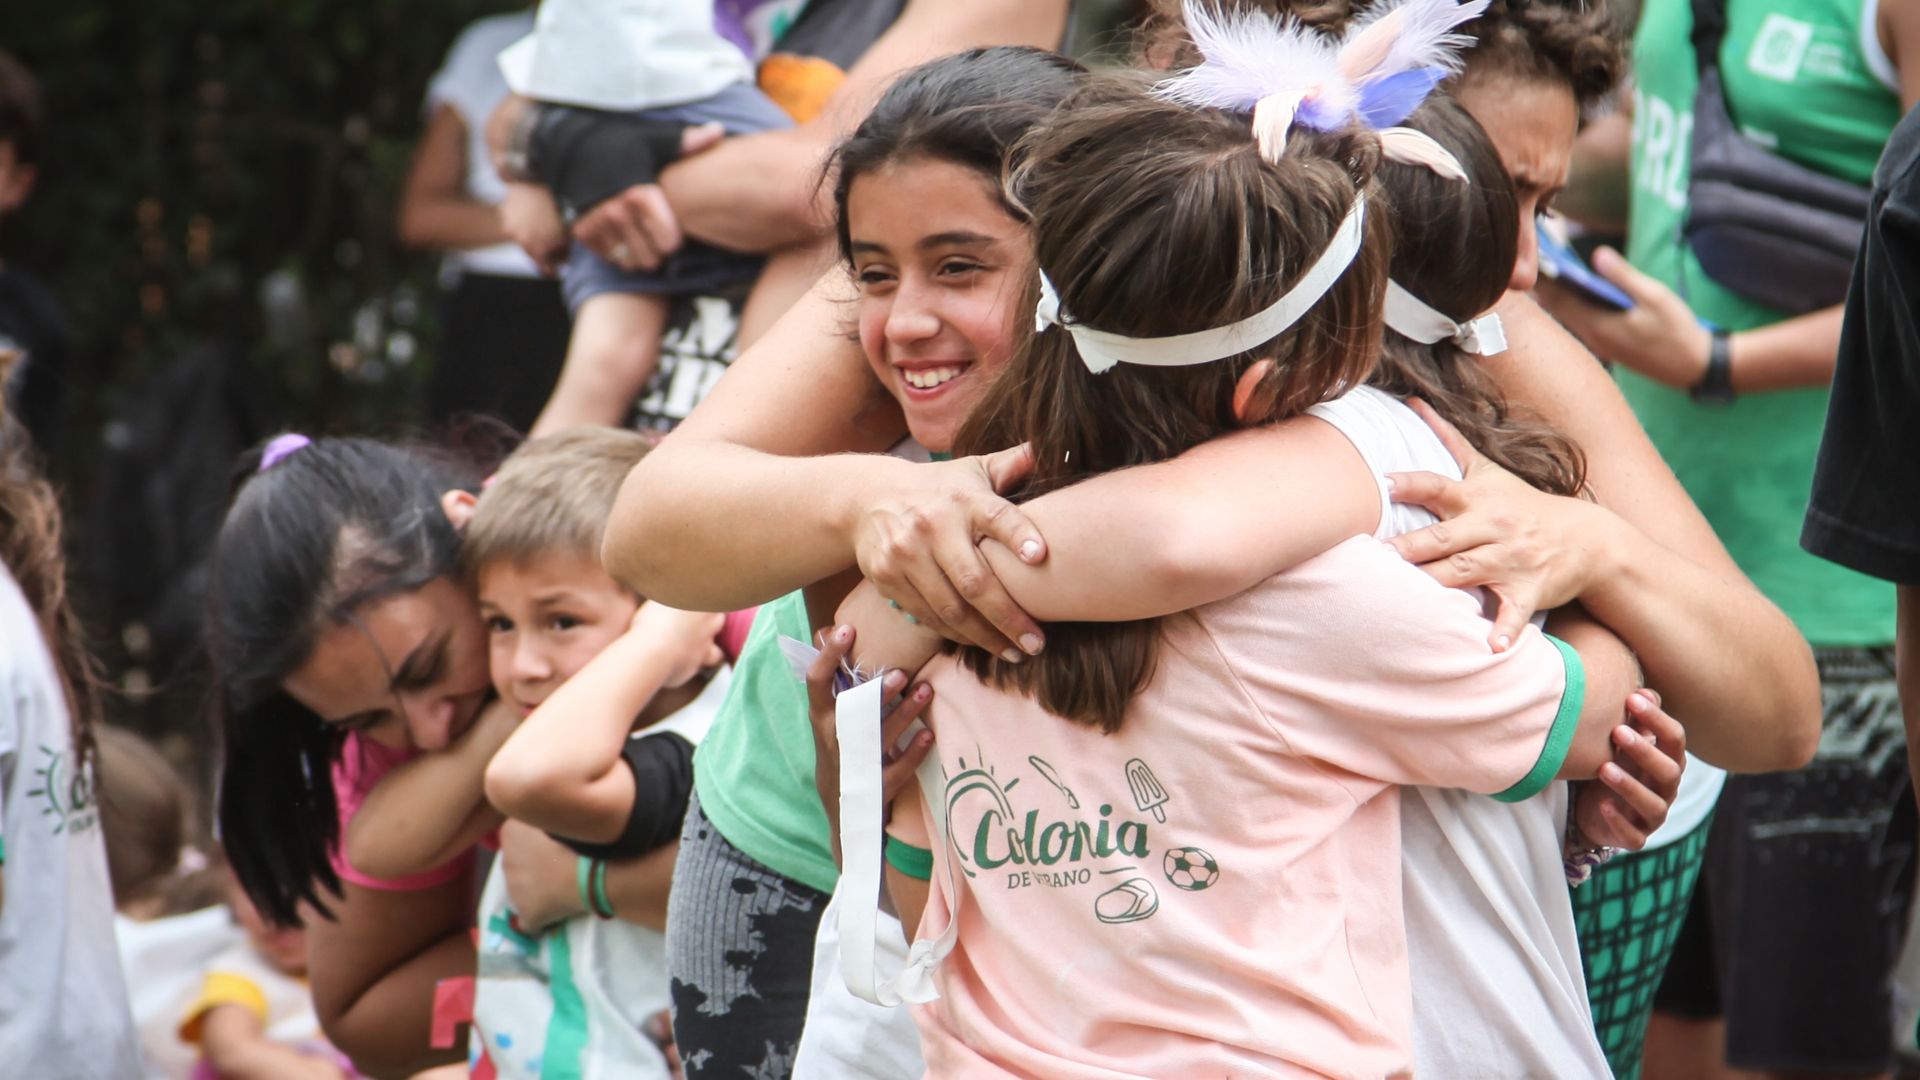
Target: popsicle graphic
(1046,773)
(1148,795)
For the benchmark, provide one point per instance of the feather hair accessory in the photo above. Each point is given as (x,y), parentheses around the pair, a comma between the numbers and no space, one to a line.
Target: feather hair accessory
(1283,73)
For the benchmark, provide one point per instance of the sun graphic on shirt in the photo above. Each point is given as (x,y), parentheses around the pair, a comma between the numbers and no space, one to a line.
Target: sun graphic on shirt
(51,777)
(970,792)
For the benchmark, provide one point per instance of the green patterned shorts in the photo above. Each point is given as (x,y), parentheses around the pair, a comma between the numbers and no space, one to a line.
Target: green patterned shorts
(1628,916)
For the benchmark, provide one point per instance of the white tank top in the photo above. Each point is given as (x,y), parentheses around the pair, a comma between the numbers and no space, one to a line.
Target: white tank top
(1498,989)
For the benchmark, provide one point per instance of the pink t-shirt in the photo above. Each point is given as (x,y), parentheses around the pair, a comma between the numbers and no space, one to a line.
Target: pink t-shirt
(1214,891)
(361,764)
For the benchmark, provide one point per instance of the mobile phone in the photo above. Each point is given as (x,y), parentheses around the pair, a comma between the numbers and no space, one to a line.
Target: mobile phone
(1559,261)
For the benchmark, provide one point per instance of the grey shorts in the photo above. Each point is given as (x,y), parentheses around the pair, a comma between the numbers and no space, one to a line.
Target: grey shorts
(740,954)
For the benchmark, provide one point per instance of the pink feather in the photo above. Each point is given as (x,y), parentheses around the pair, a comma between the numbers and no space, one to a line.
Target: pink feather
(1410,147)
(1364,52)
(1404,35)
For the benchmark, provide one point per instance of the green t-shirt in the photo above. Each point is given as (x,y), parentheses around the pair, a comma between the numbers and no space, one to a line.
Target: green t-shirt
(754,770)
(1796,74)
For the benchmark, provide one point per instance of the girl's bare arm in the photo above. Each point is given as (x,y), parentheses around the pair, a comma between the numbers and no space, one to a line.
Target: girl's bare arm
(431,809)
(373,968)
(778,479)
(562,770)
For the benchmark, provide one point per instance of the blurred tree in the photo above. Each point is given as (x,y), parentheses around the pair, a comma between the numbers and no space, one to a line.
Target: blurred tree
(214,210)
(225,173)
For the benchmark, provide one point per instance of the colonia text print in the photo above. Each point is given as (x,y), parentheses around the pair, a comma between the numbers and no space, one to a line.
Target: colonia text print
(1119,844)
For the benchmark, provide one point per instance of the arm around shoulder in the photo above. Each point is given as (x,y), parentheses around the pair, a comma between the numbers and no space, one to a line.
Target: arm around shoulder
(754,495)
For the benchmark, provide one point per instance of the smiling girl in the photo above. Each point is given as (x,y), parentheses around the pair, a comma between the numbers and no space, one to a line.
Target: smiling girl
(938,259)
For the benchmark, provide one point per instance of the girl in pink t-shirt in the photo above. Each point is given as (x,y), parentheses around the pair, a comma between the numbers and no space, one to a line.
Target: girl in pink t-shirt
(1172,848)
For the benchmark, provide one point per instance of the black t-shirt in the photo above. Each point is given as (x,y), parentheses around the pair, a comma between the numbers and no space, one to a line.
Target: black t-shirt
(1865,510)
(662,767)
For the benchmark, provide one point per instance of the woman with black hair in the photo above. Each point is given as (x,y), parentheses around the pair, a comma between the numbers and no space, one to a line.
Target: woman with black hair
(341,643)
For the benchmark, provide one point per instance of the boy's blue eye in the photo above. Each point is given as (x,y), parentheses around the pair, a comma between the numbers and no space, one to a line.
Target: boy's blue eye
(563,622)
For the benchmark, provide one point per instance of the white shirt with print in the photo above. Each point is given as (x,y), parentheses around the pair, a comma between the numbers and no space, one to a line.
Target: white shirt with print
(63,1002)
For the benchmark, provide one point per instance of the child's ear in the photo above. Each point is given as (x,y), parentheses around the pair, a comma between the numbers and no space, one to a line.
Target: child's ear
(1250,380)
(458,506)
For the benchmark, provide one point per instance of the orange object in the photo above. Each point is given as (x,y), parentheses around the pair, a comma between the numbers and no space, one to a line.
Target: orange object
(800,85)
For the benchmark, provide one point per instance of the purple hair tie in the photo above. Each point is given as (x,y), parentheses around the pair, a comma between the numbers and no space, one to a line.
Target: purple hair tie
(281,448)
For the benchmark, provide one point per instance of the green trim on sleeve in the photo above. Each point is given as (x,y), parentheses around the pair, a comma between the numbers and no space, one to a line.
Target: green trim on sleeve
(1560,736)
(915,862)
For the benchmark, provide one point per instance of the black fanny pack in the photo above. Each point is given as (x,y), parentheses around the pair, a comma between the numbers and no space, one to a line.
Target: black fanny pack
(1767,228)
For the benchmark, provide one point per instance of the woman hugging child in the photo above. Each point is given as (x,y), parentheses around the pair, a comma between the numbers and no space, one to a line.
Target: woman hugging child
(590,742)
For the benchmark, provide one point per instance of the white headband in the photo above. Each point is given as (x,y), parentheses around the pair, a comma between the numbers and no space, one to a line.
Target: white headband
(1100,350)
(1405,312)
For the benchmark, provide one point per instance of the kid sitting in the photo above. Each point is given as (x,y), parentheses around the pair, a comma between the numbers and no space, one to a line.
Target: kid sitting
(530,547)
(253,1015)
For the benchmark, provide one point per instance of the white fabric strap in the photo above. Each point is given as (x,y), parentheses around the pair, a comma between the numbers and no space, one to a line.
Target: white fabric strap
(857,715)
(1407,314)
(1100,350)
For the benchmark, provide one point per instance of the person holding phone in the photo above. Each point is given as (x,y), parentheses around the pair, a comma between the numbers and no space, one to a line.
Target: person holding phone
(1808,872)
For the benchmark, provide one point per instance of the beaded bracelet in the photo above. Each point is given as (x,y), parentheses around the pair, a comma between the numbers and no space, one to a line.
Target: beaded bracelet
(1579,858)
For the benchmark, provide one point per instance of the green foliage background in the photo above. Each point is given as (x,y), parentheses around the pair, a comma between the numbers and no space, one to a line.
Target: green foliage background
(228,170)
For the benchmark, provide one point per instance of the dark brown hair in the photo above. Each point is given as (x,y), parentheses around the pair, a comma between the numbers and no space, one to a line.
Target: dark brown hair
(1572,42)
(1453,251)
(1153,220)
(966,109)
(31,550)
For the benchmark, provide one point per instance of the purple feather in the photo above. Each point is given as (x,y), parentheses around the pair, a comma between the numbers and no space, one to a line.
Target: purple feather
(1324,115)
(1386,102)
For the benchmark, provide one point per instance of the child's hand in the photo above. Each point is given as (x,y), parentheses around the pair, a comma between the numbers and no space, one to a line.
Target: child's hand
(530,219)
(688,638)
(541,873)
(1637,788)
(897,763)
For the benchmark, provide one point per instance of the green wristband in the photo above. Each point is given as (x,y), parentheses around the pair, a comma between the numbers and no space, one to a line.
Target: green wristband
(914,862)
(602,906)
(583,877)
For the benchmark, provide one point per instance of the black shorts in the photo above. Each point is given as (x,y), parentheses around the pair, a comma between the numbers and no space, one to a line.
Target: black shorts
(1801,911)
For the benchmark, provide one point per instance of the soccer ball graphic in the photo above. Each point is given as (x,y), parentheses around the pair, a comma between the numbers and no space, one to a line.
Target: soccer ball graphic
(1191,868)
